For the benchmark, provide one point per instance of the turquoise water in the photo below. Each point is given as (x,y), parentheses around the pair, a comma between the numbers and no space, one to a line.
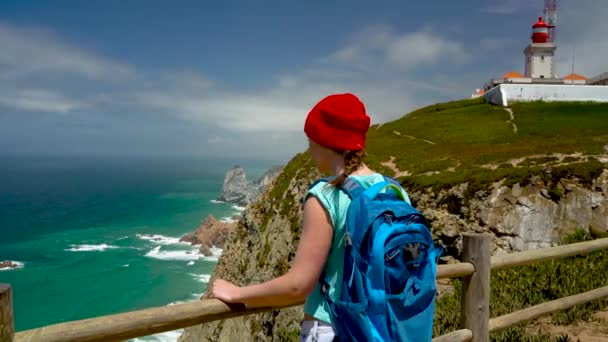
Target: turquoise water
(97,237)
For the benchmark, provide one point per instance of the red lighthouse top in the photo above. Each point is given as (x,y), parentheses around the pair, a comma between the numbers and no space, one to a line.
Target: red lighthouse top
(540,32)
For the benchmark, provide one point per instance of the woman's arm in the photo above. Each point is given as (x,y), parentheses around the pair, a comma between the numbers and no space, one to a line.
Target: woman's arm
(300,280)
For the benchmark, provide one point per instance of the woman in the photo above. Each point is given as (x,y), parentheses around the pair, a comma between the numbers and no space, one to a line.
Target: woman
(336,128)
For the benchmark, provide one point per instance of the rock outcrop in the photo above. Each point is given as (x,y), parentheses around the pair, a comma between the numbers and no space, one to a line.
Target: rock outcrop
(211,233)
(239,190)
(518,217)
(8,264)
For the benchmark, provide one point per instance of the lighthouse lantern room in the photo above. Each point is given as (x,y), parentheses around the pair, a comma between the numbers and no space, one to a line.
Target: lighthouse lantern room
(540,53)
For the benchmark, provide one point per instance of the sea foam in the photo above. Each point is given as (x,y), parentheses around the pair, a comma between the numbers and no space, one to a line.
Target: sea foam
(169,336)
(203,278)
(90,248)
(160,239)
(238,208)
(191,254)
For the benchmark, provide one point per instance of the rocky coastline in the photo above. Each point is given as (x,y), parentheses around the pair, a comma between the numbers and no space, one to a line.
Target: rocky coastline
(8,264)
(238,190)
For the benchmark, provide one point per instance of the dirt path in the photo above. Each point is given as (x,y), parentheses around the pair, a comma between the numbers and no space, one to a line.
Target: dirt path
(411,137)
(560,159)
(595,330)
(391,165)
(510,111)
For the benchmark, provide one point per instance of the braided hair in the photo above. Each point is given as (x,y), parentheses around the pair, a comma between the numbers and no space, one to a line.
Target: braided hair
(352,161)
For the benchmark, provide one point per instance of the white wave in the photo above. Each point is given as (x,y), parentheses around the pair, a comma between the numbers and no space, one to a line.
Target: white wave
(125,265)
(217,202)
(238,208)
(216,253)
(161,239)
(190,263)
(228,220)
(89,248)
(197,295)
(169,336)
(176,302)
(122,238)
(203,278)
(156,253)
(18,263)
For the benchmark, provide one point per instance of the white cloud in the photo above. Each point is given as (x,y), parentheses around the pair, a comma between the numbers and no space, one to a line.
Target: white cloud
(364,66)
(364,46)
(423,48)
(39,100)
(30,51)
(233,112)
(379,44)
(282,107)
(264,117)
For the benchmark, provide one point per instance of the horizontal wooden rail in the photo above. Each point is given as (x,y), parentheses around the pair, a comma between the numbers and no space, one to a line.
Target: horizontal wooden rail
(539,310)
(123,326)
(538,255)
(463,335)
(462,269)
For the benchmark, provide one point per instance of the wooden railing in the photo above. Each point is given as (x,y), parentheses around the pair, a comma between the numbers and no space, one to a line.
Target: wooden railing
(475,314)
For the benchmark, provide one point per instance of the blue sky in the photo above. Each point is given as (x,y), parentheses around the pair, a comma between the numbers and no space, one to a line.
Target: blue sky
(236,79)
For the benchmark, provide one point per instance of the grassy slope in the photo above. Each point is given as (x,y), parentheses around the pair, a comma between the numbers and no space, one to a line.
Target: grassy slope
(468,134)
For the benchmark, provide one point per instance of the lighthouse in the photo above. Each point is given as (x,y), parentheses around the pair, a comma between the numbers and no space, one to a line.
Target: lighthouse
(540,61)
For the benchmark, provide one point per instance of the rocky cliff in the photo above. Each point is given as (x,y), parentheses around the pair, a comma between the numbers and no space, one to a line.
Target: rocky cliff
(519,217)
(238,189)
(524,190)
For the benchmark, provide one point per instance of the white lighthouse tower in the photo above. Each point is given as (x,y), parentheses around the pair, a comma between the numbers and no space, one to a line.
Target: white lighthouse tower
(540,61)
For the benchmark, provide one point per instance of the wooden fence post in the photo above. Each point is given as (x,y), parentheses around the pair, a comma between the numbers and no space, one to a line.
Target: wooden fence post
(475,305)
(7,326)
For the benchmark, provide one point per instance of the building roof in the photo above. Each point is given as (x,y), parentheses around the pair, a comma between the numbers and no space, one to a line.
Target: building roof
(513,74)
(575,77)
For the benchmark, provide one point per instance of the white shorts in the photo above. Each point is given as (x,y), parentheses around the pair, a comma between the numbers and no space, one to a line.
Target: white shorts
(317,331)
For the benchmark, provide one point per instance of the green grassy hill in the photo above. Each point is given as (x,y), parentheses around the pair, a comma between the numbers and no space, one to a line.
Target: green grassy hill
(471,141)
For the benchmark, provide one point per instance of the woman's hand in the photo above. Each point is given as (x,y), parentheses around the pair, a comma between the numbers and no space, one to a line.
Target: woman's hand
(225,291)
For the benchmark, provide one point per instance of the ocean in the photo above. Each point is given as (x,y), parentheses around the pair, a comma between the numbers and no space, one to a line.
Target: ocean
(100,236)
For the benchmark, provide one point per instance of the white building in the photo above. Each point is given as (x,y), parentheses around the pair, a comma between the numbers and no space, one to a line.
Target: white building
(540,81)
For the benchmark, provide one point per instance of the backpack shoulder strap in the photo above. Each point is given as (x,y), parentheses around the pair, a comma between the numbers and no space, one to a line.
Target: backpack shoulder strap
(352,187)
(396,182)
(392,180)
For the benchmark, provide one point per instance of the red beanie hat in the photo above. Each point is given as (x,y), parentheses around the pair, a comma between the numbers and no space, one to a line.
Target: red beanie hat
(338,122)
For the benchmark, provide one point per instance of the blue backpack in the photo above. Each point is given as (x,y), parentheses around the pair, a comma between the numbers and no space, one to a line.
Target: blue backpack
(388,289)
